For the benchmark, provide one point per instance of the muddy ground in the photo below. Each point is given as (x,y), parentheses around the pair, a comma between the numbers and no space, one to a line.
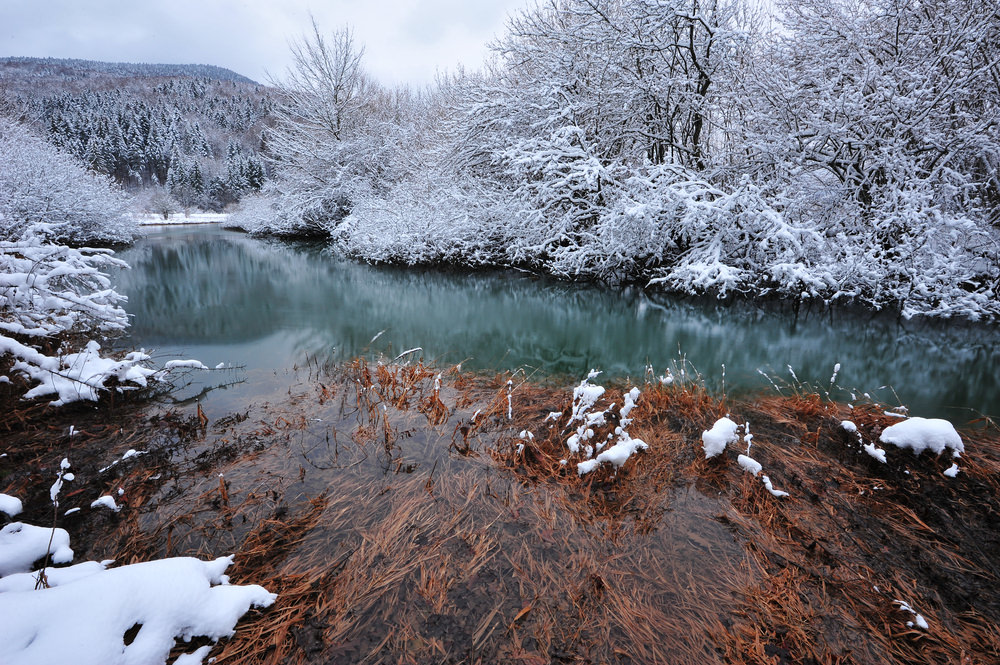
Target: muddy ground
(402,522)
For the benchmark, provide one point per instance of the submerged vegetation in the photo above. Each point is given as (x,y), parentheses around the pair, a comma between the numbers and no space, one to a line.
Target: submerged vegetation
(405,513)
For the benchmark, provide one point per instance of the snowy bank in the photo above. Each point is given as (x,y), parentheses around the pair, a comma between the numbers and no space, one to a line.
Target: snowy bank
(85,620)
(150,219)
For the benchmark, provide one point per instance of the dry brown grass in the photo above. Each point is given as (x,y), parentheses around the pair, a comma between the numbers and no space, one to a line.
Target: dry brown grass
(407,527)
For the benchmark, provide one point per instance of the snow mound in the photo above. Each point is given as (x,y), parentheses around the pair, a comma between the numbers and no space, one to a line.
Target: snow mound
(84,622)
(10,504)
(184,364)
(23,544)
(920,434)
(715,440)
(750,464)
(105,501)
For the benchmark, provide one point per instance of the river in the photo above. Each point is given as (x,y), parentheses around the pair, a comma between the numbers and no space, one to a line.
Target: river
(271,307)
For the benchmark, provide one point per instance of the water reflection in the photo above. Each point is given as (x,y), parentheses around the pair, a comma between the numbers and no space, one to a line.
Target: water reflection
(223,297)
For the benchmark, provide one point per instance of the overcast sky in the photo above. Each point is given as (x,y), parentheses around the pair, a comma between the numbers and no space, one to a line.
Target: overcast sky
(405,40)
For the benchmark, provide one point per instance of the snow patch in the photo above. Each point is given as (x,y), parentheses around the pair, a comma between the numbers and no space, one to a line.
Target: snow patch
(920,434)
(10,505)
(105,502)
(715,440)
(23,544)
(84,621)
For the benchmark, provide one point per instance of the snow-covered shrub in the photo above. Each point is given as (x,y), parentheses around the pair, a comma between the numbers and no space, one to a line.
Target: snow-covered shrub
(423,221)
(50,192)
(48,290)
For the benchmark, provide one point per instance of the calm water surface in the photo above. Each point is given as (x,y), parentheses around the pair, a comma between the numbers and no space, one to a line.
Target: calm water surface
(222,297)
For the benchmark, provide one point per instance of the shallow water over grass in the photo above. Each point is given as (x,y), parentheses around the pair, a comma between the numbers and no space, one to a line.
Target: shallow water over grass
(400,520)
(222,297)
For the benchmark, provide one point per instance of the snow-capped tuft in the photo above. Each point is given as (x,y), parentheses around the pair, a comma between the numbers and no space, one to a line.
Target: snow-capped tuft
(750,464)
(920,434)
(875,452)
(10,505)
(715,440)
(770,488)
(105,501)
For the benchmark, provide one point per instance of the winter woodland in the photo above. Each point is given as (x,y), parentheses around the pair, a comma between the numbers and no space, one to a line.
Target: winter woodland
(827,150)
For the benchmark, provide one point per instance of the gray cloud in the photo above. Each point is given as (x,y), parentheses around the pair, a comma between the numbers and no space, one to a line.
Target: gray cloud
(406,40)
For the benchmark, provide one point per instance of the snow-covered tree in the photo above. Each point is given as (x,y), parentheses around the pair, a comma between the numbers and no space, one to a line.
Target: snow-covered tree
(43,188)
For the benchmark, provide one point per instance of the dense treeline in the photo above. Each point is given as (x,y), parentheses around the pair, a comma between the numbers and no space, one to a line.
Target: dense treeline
(830,149)
(197,138)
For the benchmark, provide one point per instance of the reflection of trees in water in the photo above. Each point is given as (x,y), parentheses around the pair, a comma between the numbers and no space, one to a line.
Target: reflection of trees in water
(210,287)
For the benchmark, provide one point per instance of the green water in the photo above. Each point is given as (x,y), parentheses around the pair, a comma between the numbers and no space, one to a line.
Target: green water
(222,297)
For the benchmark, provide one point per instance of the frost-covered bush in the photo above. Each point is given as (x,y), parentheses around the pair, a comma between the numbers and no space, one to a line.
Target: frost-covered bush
(49,191)
(423,221)
(48,290)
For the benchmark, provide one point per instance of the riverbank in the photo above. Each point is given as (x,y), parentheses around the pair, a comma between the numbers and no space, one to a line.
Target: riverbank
(410,514)
(178,218)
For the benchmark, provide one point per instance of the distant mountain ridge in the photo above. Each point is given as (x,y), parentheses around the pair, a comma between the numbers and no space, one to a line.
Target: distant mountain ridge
(75,69)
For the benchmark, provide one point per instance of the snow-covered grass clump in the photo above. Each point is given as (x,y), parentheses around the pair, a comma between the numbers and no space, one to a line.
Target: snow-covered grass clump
(725,432)
(920,434)
(715,440)
(618,446)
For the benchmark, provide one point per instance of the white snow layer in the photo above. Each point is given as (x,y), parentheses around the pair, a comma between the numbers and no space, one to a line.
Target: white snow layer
(875,452)
(750,464)
(184,364)
(715,440)
(53,576)
(920,434)
(105,501)
(23,544)
(10,505)
(84,621)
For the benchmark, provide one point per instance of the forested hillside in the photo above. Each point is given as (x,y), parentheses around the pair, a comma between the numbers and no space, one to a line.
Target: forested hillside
(832,150)
(194,132)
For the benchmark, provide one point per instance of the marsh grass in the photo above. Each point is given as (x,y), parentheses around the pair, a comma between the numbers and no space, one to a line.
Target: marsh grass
(401,517)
